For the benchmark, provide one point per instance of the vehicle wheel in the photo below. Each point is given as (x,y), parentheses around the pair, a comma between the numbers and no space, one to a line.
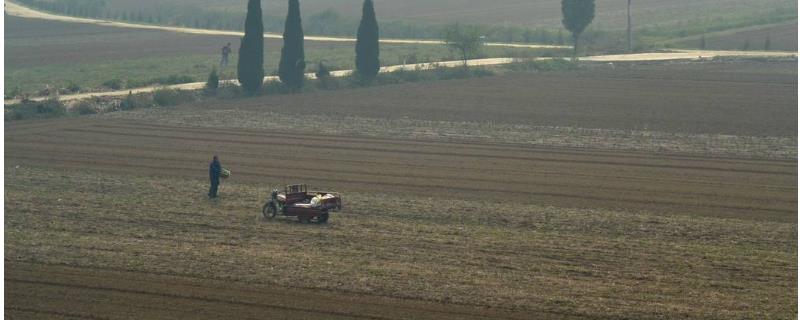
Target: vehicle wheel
(269,211)
(323,217)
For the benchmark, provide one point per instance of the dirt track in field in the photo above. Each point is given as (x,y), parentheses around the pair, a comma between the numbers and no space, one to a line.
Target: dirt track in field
(36,291)
(750,189)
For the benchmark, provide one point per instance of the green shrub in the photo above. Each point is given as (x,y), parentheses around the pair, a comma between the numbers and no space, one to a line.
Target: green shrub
(73,87)
(410,75)
(85,107)
(381,79)
(136,101)
(171,97)
(330,83)
(174,79)
(133,84)
(276,87)
(13,93)
(322,71)
(437,73)
(36,109)
(542,65)
(114,84)
(229,91)
(51,106)
(461,73)
(452,73)
(213,80)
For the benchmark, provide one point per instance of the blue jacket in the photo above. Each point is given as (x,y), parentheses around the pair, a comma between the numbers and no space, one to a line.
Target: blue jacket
(214,170)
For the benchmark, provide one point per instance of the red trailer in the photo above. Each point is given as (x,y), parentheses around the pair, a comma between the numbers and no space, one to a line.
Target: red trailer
(297,201)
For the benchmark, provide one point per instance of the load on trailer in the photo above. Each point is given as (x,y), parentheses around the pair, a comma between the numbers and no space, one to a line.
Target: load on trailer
(297,201)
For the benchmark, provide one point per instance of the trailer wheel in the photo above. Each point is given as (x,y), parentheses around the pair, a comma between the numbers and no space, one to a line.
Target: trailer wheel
(323,217)
(269,210)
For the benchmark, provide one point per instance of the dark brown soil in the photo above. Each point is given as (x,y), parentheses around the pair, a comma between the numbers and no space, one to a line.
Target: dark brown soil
(741,98)
(38,291)
(752,189)
(680,267)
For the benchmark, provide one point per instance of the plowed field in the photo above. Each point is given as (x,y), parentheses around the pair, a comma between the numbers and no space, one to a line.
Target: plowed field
(38,291)
(106,216)
(590,179)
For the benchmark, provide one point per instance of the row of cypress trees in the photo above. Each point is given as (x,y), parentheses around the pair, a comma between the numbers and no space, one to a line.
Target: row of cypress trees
(291,69)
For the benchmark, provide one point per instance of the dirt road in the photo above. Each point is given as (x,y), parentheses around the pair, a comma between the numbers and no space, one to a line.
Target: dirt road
(338,73)
(661,56)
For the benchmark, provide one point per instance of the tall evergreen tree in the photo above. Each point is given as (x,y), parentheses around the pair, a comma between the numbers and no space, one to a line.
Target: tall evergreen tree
(292,66)
(578,14)
(367,45)
(251,52)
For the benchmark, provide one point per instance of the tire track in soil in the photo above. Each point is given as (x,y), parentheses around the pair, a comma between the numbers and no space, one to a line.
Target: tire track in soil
(117,294)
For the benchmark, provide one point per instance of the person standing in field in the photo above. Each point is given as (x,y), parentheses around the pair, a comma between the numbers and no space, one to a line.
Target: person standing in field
(226,51)
(214,172)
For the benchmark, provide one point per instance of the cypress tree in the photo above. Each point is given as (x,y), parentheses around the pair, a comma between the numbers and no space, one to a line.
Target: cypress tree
(367,45)
(292,66)
(251,52)
(578,14)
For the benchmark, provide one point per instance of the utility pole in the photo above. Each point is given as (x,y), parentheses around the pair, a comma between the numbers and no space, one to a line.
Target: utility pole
(630,28)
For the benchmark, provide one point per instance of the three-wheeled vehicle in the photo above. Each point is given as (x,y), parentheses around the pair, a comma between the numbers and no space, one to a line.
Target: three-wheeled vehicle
(297,201)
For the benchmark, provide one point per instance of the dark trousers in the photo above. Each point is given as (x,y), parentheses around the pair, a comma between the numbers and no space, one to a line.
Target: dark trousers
(214,186)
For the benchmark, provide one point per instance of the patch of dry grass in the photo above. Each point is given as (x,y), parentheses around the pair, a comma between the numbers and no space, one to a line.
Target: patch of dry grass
(595,263)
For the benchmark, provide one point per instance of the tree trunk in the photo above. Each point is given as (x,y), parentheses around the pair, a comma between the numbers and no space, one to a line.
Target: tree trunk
(464,54)
(575,47)
(630,28)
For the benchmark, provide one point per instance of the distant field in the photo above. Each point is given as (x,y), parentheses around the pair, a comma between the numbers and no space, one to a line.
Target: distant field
(531,13)
(782,37)
(40,52)
(655,22)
